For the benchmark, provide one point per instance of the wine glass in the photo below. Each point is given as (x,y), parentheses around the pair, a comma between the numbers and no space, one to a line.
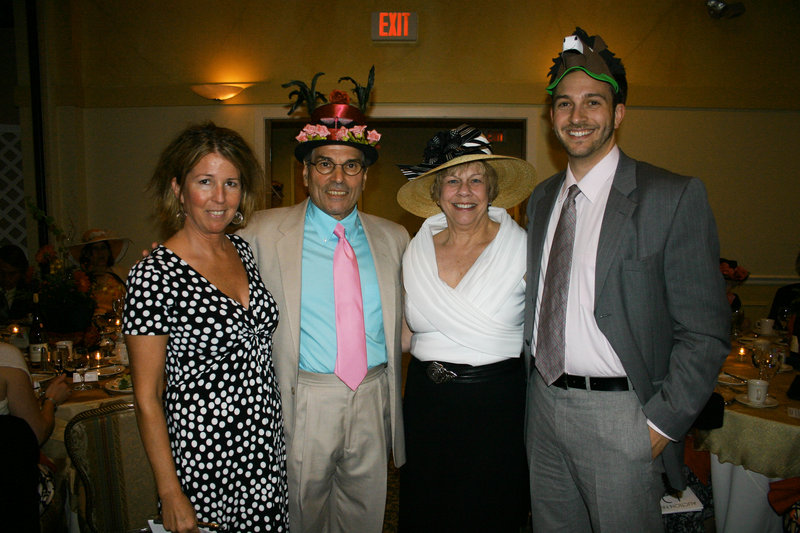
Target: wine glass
(767,360)
(79,363)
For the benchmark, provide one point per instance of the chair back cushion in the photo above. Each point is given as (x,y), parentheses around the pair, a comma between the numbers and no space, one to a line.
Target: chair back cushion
(105,447)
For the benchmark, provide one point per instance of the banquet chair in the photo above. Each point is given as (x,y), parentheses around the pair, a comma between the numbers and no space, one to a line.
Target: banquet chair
(106,450)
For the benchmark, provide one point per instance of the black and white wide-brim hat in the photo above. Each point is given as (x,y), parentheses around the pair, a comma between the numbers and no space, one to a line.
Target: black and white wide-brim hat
(465,144)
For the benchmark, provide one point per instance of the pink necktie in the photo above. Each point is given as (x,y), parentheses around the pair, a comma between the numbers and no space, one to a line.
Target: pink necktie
(351,339)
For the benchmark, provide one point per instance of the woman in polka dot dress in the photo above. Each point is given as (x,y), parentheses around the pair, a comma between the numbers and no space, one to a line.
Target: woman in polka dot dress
(198,324)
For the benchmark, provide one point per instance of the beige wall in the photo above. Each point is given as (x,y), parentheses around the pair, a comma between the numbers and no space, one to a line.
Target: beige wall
(707,97)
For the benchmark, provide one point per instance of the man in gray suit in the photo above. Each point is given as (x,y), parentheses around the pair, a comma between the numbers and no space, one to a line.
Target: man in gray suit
(623,353)
(337,439)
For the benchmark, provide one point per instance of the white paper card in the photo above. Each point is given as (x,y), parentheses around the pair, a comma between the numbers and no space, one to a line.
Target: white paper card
(687,503)
(158,528)
(90,376)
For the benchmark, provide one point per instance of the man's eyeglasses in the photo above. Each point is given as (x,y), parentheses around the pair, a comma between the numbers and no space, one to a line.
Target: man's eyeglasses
(326,166)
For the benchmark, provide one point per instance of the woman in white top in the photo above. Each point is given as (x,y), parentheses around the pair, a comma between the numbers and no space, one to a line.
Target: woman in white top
(463,275)
(25,424)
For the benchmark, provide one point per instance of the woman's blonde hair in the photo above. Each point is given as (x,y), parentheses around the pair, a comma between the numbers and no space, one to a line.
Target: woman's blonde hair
(185,151)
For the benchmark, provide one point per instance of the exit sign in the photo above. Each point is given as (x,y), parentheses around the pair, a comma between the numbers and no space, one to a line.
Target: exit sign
(394,26)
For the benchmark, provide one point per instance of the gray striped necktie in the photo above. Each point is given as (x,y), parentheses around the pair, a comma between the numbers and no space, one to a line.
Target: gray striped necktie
(553,309)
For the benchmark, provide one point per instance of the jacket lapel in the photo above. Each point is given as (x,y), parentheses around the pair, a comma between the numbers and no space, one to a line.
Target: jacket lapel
(289,248)
(619,209)
(385,270)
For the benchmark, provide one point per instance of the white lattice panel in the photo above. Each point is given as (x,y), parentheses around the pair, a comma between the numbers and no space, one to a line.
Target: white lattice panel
(12,187)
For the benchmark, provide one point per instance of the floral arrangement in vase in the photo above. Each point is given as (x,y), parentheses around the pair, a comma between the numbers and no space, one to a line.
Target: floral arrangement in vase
(65,300)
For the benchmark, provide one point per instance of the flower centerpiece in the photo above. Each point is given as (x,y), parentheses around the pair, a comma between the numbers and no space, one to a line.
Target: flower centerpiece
(65,300)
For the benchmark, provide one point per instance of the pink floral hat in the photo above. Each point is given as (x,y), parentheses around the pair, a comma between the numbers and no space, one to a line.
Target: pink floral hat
(337,121)
(337,124)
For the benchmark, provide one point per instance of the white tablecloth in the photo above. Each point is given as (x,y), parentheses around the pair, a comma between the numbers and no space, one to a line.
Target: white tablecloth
(740,500)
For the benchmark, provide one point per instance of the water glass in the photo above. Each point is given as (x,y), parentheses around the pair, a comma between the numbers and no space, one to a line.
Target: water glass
(60,357)
(79,363)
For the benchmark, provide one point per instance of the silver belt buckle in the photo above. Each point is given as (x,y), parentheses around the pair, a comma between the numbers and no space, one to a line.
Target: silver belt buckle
(439,374)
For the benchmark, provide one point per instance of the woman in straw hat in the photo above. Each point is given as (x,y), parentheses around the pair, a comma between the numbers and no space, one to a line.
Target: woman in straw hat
(463,275)
(96,253)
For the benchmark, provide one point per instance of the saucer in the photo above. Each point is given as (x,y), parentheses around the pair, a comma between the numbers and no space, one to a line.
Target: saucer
(770,402)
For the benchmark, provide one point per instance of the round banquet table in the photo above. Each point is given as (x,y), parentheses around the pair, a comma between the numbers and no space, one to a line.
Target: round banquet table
(754,447)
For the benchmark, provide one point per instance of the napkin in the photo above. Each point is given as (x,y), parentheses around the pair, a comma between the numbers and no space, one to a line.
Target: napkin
(783,494)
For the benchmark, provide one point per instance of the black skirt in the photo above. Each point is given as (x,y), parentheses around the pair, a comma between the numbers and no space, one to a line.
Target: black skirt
(465,456)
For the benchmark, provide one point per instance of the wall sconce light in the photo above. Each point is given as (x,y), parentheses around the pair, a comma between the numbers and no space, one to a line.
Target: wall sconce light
(219,91)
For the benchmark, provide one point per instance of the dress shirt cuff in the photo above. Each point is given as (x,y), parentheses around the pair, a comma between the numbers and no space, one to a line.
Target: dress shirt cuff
(655,428)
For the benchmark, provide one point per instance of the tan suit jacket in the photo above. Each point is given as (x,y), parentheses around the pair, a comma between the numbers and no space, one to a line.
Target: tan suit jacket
(276,237)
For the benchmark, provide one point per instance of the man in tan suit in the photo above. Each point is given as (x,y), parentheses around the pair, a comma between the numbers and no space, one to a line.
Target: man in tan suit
(337,439)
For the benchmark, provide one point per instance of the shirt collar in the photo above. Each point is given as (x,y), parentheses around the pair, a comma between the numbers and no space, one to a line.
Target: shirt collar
(324,224)
(597,180)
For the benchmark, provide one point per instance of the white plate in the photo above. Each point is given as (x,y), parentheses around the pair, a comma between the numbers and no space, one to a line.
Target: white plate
(42,377)
(112,386)
(725,379)
(112,370)
(770,402)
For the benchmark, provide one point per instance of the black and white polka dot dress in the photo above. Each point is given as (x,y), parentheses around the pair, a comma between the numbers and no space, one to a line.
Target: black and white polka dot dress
(222,403)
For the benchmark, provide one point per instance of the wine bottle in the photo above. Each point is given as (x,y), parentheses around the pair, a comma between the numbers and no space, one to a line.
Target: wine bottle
(37,347)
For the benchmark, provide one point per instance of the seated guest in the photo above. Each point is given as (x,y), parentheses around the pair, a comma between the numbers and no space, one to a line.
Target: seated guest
(18,402)
(786,304)
(15,297)
(97,252)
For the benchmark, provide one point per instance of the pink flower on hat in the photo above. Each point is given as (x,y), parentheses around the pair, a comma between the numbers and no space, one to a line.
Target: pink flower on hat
(373,136)
(340,134)
(302,137)
(358,131)
(323,131)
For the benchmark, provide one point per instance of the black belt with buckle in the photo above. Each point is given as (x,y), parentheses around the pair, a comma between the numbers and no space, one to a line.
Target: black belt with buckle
(567,381)
(440,372)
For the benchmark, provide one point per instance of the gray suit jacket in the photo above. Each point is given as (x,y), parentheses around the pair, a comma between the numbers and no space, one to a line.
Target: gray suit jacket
(659,296)
(276,237)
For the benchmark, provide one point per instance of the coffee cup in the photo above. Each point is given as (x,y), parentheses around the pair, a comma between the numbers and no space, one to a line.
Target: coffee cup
(757,391)
(765,326)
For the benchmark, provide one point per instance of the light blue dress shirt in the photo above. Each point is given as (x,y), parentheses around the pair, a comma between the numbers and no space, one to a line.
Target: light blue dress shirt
(317,315)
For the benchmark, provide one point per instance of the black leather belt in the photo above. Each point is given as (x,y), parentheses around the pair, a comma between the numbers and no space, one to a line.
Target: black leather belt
(440,372)
(566,381)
